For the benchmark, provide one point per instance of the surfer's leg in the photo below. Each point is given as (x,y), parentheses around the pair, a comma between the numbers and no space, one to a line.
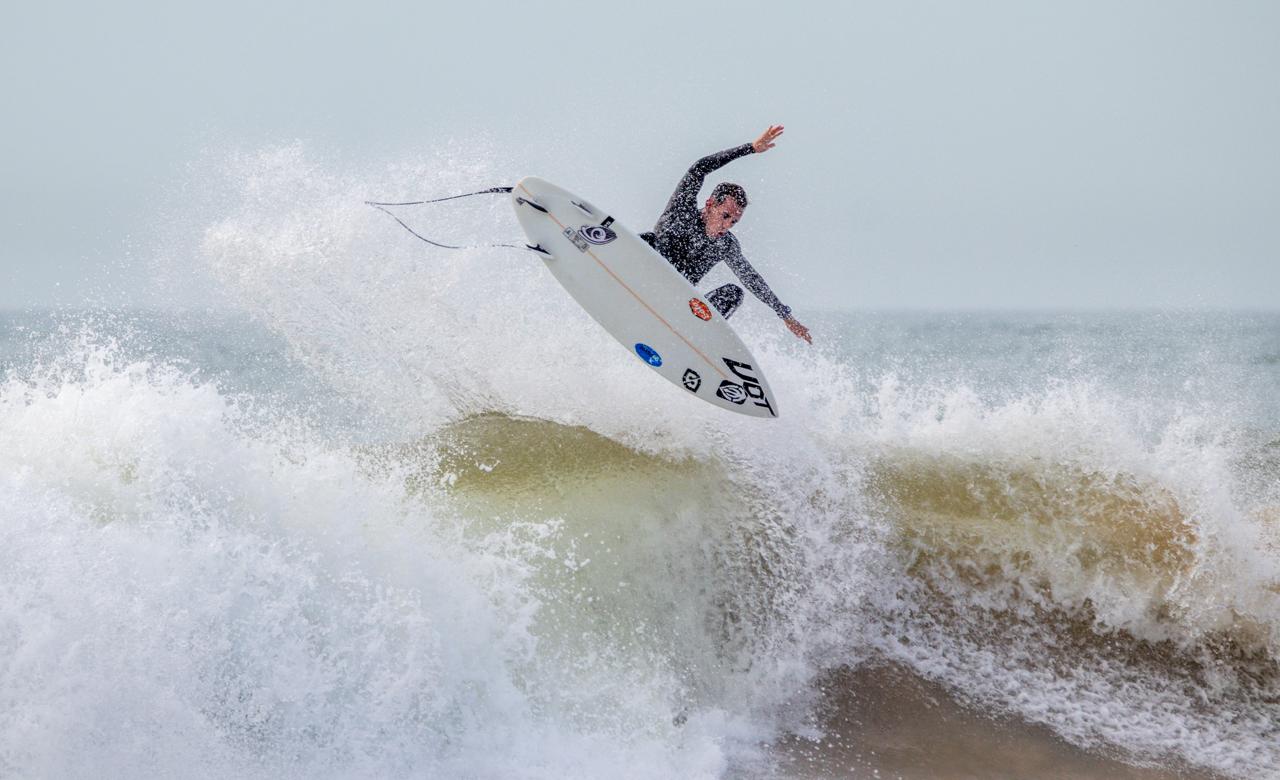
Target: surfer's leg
(726,299)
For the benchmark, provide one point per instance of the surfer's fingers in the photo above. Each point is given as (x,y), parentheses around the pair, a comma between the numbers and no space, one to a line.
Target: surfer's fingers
(765,142)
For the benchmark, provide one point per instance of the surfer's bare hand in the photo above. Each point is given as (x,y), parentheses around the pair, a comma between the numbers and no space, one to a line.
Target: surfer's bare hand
(765,142)
(795,327)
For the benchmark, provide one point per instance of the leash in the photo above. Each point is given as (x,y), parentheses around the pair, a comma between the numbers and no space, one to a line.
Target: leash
(384,208)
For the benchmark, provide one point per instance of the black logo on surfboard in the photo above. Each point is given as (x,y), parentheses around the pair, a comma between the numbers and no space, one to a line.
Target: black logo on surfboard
(587,235)
(732,392)
(597,234)
(750,387)
(691,380)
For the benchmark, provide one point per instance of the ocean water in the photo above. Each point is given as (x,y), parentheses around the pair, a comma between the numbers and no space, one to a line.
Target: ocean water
(385,513)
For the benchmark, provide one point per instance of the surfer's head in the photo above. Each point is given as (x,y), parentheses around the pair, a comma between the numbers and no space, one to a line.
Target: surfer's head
(724,208)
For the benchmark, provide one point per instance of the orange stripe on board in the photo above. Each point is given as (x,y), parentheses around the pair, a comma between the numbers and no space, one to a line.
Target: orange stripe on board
(642,301)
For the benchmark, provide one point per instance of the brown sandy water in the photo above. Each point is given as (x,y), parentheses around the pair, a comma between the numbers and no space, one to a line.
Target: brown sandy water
(886,722)
(963,527)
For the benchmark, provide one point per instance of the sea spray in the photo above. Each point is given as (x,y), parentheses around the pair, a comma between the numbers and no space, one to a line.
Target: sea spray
(416,514)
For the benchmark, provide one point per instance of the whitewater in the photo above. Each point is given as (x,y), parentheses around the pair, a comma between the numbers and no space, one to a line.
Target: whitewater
(382,511)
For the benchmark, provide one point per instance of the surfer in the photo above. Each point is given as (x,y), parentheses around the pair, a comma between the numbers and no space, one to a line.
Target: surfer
(694,240)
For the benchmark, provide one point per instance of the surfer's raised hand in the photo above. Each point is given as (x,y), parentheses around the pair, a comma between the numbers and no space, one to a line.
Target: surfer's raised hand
(765,142)
(795,327)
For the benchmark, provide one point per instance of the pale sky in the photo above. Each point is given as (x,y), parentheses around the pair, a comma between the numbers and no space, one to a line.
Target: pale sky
(1005,155)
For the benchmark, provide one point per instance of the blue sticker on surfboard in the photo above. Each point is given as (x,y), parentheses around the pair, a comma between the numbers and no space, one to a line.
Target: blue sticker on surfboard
(649,355)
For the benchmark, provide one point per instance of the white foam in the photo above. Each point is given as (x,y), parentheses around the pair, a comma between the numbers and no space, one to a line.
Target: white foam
(188,595)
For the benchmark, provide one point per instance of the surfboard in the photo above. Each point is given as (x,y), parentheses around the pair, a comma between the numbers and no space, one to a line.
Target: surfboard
(640,299)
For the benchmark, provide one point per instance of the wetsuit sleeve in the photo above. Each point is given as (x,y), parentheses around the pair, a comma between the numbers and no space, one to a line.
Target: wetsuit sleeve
(754,281)
(693,179)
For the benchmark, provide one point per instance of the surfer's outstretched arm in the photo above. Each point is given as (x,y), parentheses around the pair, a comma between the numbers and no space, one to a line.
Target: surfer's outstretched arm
(753,281)
(698,172)
(694,178)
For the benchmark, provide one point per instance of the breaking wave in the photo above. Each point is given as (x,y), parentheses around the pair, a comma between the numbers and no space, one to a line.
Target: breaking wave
(451,530)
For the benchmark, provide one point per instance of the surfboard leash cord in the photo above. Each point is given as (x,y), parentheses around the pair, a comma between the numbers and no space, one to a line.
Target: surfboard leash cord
(383,207)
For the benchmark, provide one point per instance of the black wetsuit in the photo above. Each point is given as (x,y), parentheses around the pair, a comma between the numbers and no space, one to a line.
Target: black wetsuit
(681,237)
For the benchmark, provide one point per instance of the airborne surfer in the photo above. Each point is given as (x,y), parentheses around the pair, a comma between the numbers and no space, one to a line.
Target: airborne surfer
(694,240)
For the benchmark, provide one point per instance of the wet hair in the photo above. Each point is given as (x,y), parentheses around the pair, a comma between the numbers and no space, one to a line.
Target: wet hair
(730,190)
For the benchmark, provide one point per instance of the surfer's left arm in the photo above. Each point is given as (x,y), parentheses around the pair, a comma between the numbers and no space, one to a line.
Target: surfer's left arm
(753,281)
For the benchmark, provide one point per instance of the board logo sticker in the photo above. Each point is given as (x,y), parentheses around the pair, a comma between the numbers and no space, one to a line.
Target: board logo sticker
(649,355)
(700,309)
(597,234)
(731,392)
(691,380)
(750,387)
(575,239)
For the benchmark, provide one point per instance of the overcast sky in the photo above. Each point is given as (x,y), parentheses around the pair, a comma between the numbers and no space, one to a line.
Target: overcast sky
(937,155)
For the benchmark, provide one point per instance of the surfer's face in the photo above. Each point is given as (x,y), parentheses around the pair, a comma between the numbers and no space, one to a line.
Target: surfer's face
(719,217)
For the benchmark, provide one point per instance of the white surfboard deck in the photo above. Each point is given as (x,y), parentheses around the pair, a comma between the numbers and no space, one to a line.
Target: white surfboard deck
(640,299)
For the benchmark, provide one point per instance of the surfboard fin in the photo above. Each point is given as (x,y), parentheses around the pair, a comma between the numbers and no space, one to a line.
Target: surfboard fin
(527,202)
